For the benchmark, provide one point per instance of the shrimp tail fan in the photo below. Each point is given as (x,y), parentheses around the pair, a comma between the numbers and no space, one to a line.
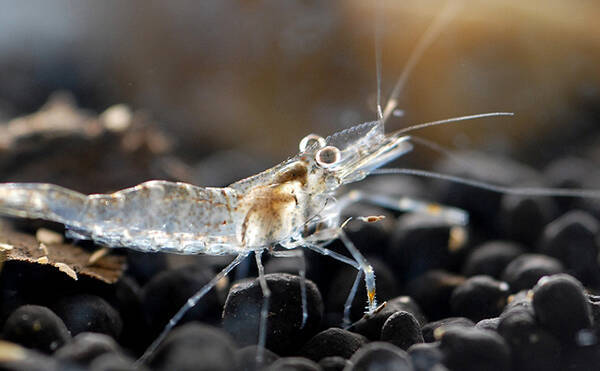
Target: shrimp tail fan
(40,200)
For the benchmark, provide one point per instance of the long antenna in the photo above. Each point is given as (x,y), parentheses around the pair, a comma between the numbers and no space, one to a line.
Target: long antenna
(447,121)
(520,191)
(378,31)
(432,32)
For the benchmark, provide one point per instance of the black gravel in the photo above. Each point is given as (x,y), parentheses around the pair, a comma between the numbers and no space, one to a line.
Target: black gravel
(334,363)
(196,347)
(294,364)
(491,258)
(402,329)
(36,327)
(468,348)
(433,330)
(86,347)
(380,356)
(532,347)
(479,297)
(561,307)
(285,334)
(425,356)
(521,293)
(89,313)
(333,342)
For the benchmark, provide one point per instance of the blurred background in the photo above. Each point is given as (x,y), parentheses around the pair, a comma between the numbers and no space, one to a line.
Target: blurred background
(252,77)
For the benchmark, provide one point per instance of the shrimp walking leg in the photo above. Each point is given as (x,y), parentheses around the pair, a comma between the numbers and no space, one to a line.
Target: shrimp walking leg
(264,310)
(326,252)
(191,302)
(346,323)
(365,267)
(302,272)
(348,304)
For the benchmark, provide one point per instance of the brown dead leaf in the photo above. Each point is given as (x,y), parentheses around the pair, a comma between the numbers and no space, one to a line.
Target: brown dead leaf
(69,259)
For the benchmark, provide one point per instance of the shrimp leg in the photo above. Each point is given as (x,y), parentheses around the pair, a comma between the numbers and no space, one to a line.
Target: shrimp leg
(365,267)
(191,302)
(359,261)
(264,311)
(302,272)
(339,257)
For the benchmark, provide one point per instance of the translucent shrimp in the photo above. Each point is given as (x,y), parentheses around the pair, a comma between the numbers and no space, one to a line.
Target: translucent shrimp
(291,205)
(295,204)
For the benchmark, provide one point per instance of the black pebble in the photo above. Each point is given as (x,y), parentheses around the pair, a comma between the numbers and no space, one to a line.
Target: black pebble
(561,306)
(294,364)
(482,205)
(521,301)
(407,304)
(380,356)
(572,240)
(143,266)
(580,358)
(571,172)
(36,327)
(332,342)
(432,330)
(421,243)
(169,290)
(488,324)
(246,358)
(594,301)
(115,362)
(334,363)
(85,347)
(522,218)
(479,297)
(241,314)
(402,329)
(432,291)
(524,272)
(371,326)
(491,258)
(127,300)
(471,349)
(17,358)
(532,347)
(425,356)
(89,313)
(195,347)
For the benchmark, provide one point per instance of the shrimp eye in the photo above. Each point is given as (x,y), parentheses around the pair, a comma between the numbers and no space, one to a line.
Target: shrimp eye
(328,156)
(310,140)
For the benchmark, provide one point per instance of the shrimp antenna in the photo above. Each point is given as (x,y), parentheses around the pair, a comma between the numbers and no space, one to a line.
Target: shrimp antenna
(378,31)
(432,32)
(447,121)
(525,191)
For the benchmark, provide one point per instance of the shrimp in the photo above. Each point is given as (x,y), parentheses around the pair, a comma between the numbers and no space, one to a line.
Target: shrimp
(295,204)
(292,205)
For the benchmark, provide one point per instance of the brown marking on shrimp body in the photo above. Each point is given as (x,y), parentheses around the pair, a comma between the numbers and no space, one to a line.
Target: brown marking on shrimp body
(267,204)
(297,172)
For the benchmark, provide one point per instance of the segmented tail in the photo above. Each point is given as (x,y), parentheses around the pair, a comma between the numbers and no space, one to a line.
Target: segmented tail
(41,200)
